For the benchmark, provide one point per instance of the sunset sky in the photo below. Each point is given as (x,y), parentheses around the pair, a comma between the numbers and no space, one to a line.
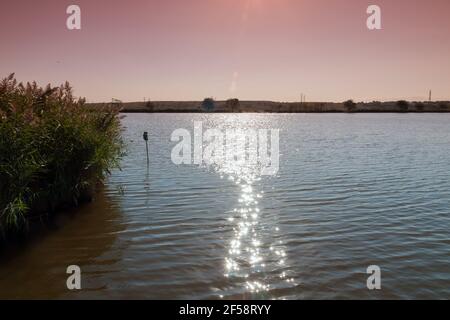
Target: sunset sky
(249,49)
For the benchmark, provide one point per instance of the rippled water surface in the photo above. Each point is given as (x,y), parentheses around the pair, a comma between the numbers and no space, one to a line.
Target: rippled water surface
(351,191)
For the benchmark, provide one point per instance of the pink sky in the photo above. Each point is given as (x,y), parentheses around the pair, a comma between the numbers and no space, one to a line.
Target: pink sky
(249,49)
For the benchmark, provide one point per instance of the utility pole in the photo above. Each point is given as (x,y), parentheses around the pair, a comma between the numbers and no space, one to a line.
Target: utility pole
(429,97)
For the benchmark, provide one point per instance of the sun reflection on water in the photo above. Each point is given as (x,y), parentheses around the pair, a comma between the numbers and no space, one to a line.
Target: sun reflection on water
(254,260)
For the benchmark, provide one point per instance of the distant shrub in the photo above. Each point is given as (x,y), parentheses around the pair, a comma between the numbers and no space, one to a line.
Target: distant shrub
(150,106)
(208,104)
(232,105)
(403,105)
(53,150)
(443,106)
(420,107)
(350,106)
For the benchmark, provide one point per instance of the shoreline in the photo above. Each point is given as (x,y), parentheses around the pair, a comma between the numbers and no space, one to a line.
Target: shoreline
(236,106)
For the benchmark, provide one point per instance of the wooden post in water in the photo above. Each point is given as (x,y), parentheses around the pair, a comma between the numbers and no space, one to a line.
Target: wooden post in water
(145,136)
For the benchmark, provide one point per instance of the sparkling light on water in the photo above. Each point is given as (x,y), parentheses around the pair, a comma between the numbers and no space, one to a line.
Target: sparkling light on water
(251,259)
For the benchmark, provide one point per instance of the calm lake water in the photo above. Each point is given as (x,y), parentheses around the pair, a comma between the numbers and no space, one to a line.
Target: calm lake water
(352,190)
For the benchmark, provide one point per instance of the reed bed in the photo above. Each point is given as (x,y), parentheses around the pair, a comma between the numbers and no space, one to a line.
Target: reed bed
(54,151)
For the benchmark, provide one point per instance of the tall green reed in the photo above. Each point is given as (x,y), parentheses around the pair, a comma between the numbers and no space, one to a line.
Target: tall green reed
(53,149)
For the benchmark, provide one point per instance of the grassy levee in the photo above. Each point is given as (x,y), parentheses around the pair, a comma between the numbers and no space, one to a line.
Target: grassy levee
(54,151)
(237,106)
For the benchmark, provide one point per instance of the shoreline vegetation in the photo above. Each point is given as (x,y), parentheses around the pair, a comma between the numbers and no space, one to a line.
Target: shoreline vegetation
(54,152)
(236,106)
